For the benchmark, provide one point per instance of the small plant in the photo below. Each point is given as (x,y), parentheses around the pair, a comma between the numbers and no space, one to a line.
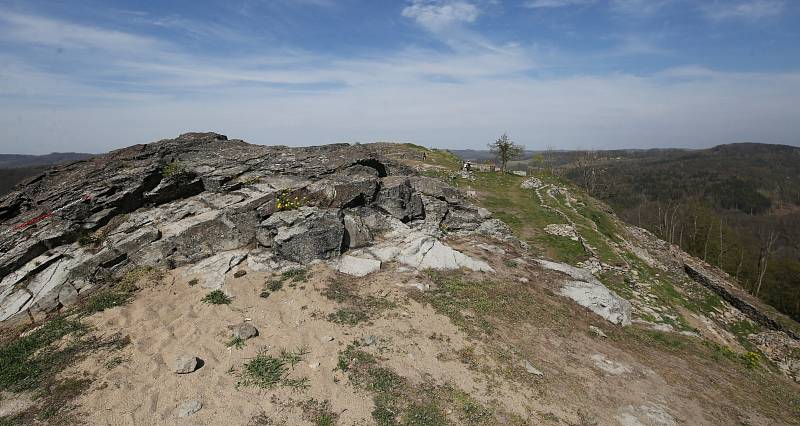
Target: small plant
(511,263)
(88,239)
(348,316)
(275,285)
(266,371)
(286,202)
(172,170)
(251,180)
(193,282)
(217,297)
(319,412)
(264,294)
(296,275)
(751,359)
(115,361)
(235,342)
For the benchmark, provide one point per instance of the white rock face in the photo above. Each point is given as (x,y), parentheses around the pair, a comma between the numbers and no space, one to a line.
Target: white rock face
(187,408)
(588,291)
(645,415)
(599,300)
(609,366)
(421,251)
(210,272)
(357,266)
(426,252)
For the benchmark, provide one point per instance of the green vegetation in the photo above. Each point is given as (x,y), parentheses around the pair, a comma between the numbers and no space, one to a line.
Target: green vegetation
(735,206)
(319,412)
(292,276)
(285,201)
(120,292)
(266,371)
(34,361)
(217,297)
(356,308)
(235,342)
(400,402)
(173,170)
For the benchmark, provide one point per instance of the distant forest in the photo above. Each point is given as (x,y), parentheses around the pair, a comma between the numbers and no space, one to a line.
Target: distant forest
(735,206)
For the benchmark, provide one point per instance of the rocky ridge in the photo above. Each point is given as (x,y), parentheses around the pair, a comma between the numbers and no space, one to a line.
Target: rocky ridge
(213,203)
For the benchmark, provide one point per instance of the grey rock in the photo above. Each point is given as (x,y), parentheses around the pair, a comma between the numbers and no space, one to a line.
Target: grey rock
(531,369)
(357,233)
(187,408)
(357,267)
(244,331)
(317,236)
(398,199)
(184,364)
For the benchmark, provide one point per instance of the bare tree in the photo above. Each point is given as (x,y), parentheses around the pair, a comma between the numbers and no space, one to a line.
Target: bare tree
(766,251)
(506,150)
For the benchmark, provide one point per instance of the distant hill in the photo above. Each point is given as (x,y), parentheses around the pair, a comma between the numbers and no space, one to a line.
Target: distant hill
(8,161)
(14,168)
(724,205)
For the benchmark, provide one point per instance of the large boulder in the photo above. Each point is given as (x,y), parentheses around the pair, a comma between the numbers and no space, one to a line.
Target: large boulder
(398,199)
(306,234)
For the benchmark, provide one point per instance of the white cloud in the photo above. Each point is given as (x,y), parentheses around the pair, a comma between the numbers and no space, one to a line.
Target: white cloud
(436,15)
(540,4)
(747,10)
(51,32)
(281,97)
(639,7)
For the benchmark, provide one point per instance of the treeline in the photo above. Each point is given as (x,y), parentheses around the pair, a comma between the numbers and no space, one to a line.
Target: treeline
(735,206)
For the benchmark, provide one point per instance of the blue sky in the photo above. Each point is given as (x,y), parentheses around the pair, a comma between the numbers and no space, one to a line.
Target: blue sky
(588,74)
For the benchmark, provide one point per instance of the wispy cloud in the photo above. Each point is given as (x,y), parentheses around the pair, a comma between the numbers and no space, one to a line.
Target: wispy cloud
(51,32)
(126,87)
(639,7)
(439,15)
(745,10)
(550,4)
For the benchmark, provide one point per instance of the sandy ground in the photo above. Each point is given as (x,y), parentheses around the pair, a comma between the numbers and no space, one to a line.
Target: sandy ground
(587,380)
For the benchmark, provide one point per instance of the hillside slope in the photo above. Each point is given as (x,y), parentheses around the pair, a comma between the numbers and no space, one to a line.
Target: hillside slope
(201,280)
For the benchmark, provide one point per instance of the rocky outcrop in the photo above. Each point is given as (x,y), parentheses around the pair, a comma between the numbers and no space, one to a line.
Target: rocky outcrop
(588,291)
(210,203)
(739,303)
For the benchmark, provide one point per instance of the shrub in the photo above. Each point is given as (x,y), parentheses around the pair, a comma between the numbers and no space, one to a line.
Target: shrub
(217,297)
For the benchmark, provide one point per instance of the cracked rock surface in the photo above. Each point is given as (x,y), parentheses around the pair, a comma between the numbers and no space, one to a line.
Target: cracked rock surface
(215,204)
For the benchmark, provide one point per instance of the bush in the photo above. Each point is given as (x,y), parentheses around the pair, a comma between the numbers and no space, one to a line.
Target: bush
(217,297)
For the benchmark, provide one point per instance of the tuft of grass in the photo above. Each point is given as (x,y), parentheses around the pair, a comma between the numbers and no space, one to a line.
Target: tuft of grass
(275,285)
(356,308)
(114,362)
(120,292)
(296,275)
(173,169)
(398,401)
(193,282)
(266,371)
(217,297)
(348,316)
(425,414)
(235,342)
(34,361)
(319,412)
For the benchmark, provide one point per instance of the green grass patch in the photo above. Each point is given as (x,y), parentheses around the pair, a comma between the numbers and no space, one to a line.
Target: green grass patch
(266,371)
(400,402)
(236,342)
(33,362)
(355,307)
(319,413)
(217,297)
